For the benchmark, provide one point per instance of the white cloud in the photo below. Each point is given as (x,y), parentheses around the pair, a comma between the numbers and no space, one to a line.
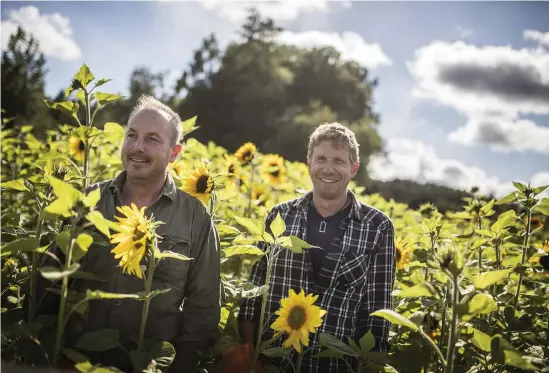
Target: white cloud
(350,44)
(503,134)
(475,79)
(281,10)
(540,37)
(52,32)
(414,160)
(484,83)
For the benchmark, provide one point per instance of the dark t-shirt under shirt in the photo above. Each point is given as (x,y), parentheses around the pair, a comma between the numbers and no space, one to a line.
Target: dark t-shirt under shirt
(321,232)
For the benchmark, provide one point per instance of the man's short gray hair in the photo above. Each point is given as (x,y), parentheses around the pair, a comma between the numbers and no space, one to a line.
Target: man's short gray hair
(336,133)
(147,102)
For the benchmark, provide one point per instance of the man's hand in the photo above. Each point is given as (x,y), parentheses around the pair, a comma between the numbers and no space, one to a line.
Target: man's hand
(239,359)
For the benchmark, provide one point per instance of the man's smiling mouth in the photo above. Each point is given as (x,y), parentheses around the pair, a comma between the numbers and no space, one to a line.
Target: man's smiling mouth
(328,181)
(138,160)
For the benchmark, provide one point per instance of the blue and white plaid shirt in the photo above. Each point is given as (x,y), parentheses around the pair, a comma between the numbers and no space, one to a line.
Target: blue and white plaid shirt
(353,282)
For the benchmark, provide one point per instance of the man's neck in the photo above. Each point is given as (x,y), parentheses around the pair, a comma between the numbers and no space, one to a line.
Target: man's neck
(143,194)
(331,206)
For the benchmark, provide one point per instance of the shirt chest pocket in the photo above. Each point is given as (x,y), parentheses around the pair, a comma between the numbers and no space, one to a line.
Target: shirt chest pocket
(171,268)
(353,269)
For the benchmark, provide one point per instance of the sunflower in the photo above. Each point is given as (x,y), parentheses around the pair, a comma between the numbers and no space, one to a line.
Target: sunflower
(245,153)
(76,148)
(273,169)
(535,222)
(542,257)
(199,182)
(260,194)
(427,209)
(402,253)
(298,317)
(431,326)
(135,234)
(178,167)
(233,169)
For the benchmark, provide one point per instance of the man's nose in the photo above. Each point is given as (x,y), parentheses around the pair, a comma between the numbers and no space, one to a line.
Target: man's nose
(139,144)
(329,167)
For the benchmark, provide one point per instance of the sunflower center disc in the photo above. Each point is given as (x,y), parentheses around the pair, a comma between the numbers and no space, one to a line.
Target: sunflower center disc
(296,318)
(544,261)
(138,235)
(202,184)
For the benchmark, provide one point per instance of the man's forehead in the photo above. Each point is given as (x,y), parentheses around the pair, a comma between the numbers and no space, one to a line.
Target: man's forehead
(150,120)
(149,115)
(332,145)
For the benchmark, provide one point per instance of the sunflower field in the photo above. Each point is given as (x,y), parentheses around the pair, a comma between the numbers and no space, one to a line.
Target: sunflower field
(471,290)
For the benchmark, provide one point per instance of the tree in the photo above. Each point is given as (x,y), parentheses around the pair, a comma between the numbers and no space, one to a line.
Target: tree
(274,95)
(23,81)
(257,29)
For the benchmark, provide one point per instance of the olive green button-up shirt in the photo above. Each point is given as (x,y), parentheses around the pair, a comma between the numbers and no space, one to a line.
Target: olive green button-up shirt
(188,315)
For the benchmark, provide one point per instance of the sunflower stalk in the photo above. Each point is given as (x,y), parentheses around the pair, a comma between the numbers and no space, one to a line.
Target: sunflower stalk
(64,293)
(546,352)
(87,144)
(480,247)
(300,360)
(34,263)
(524,248)
(86,164)
(145,312)
(262,312)
(250,198)
(443,321)
(453,327)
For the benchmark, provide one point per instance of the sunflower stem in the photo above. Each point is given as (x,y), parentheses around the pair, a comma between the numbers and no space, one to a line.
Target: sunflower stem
(86,142)
(34,265)
(546,352)
(64,292)
(146,304)
(249,210)
(453,327)
(86,164)
(299,361)
(262,313)
(524,248)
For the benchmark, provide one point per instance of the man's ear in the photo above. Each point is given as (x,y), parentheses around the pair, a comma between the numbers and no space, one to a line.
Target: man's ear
(176,150)
(355,168)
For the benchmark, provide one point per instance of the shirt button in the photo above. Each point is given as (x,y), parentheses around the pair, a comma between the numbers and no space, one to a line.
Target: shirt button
(118,303)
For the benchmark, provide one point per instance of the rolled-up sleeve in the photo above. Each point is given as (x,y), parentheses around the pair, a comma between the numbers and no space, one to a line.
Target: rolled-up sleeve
(381,278)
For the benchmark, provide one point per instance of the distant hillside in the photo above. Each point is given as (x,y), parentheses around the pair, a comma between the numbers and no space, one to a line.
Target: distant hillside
(415,194)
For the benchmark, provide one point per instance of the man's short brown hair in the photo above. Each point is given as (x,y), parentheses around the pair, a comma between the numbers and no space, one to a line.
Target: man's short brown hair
(336,133)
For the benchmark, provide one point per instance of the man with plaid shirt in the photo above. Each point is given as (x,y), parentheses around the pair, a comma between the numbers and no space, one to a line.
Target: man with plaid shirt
(351,268)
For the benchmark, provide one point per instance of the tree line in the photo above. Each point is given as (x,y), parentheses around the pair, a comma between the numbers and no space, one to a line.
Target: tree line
(255,90)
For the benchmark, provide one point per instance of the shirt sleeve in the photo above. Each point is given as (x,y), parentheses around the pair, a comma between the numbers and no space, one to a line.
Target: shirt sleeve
(380,282)
(202,306)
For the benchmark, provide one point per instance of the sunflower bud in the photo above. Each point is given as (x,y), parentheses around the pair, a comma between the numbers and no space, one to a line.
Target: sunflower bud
(451,260)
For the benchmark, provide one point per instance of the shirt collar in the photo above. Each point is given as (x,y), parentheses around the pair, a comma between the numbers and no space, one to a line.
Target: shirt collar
(356,209)
(169,189)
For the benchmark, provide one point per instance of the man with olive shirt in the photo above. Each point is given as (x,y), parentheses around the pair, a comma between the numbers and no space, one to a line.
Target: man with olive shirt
(187,316)
(354,271)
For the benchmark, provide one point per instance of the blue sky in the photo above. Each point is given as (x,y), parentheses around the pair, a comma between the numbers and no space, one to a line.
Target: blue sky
(463,89)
